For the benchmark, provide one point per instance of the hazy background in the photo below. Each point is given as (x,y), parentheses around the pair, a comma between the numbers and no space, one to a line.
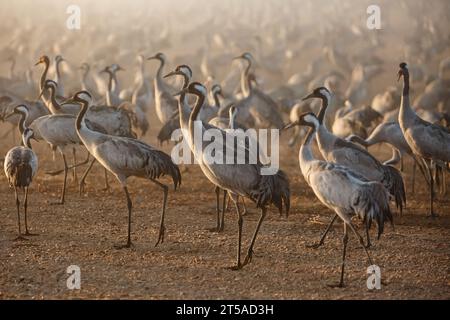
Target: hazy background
(284,36)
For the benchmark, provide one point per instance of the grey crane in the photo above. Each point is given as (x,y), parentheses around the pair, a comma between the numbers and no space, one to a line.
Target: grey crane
(46,62)
(165,104)
(261,107)
(125,157)
(429,142)
(180,119)
(112,94)
(351,194)
(337,150)
(21,165)
(243,180)
(340,151)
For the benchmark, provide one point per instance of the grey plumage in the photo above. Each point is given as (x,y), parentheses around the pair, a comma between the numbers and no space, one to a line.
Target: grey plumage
(21,165)
(243,180)
(427,141)
(125,157)
(343,190)
(340,151)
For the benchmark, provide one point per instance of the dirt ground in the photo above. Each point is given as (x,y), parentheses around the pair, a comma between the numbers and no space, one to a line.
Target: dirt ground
(193,262)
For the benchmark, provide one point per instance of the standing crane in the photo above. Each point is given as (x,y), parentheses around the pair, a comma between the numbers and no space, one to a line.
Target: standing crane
(243,180)
(21,165)
(125,157)
(429,142)
(340,151)
(165,104)
(342,190)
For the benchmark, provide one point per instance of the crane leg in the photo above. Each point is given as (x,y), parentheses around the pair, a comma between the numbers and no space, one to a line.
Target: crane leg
(106,188)
(248,258)
(129,206)
(63,191)
(413,180)
(430,171)
(245,207)
(322,238)
(361,241)
(240,222)
(224,203)
(83,178)
(56,172)
(25,209)
(162,228)
(423,166)
(217,228)
(369,244)
(74,155)
(20,236)
(344,251)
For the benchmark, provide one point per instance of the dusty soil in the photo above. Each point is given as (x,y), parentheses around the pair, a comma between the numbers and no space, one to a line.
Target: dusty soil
(193,263)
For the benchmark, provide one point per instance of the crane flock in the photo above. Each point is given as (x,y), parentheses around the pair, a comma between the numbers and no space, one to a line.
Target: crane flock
(335,126)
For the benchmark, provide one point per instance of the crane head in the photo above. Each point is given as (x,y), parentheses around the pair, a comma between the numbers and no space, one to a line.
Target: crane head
(320,92)
(403,70)
(79,97)
(43,59)
(305,119)
(195,88)
(159,56)
(181,70)
(217,90)
(19,109)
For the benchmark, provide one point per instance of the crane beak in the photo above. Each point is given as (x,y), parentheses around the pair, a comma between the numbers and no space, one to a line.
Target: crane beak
(152,58)
(399,74)
(288,126)
(309,96)
(39,62)
(67,101)
(173,73)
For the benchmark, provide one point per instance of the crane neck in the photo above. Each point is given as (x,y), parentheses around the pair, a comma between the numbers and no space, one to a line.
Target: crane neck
(323,109)
(305,155)
(245,82)
(406,115)
(183,102)
(44,76)
(54,106)
(198,105)
(216,99)
(26,141)
(81,114)
(232,123)
(405,82)
(114,83)
(22,120)
(159,72)
(249,87)
(58,72)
